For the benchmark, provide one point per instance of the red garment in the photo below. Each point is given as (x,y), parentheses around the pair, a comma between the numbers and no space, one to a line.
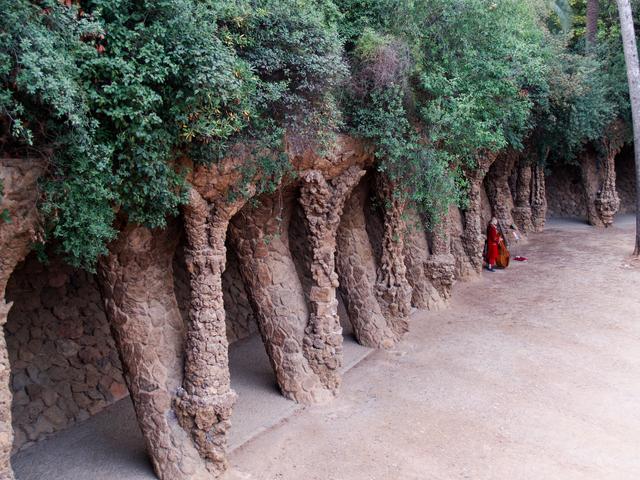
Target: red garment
(493,237)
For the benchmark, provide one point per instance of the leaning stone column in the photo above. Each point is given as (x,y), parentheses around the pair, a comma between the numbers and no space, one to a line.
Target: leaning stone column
(416,253)
(356,266)
(392,288)
(473,235)
(591,184)
(259,235)
(607,201)
(498,190)
(522,211)
(538,198)
(323,203)
(204,402)
(136,280)
(441,237)
(440,267)
(19,178)
(430,275)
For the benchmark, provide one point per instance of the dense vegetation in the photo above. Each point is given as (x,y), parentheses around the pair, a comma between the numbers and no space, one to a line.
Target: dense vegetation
(114,92)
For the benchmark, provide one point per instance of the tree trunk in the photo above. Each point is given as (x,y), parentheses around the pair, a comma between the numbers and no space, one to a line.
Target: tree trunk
(633,75)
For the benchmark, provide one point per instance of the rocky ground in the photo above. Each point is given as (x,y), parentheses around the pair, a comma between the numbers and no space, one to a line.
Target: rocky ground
(533,373)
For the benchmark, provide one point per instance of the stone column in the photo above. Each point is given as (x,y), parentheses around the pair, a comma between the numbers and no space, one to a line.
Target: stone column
(259,235)
(323,203)
(392,288)
(204,402)
(19,178)
(498,190)
(441,237)
(538,198)
(474,232)
(136,280)
(440,267)
(591,185)
(416,253)
(430,275)
(356,266)
(522,211)
(607,201)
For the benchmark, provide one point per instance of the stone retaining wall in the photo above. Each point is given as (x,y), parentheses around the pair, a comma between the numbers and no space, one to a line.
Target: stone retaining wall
(565,191)
(626,181)
(64,365)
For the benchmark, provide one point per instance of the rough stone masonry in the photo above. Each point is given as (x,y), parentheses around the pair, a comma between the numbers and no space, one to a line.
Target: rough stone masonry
(157,319)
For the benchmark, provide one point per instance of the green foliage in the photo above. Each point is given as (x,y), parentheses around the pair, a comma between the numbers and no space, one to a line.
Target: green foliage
(580,107)
(114,93)
(437,81)
(294,48)
(588,90)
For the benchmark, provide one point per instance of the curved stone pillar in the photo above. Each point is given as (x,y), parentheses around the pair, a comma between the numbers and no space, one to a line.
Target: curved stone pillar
(441,265)
(497,187)
(392,288)
(19,178)
(441,235)
(473,235)
(607,201)
(259,237)
(356,266)
(591,185)
(136,280)
(323,203)
(204,402)
(538,198)
(522,214)
(420,266)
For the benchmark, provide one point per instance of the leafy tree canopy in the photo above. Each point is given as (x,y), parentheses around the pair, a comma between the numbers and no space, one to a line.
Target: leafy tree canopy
(113,92)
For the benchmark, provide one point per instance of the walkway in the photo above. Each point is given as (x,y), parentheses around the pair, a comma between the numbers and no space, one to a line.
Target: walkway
(533,373)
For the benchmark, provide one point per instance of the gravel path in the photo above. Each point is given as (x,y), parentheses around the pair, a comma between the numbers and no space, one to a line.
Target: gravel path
(533,373)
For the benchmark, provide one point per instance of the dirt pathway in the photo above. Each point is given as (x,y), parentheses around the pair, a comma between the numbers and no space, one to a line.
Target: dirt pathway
(532,374)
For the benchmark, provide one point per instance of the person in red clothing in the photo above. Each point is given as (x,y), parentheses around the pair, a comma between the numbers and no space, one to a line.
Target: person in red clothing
(493,237)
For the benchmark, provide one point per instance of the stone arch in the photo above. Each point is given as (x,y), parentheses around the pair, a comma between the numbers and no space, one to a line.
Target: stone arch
(498,186)
(359,260)
(281,294)
(64,364)
(430,266)
(19,178)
